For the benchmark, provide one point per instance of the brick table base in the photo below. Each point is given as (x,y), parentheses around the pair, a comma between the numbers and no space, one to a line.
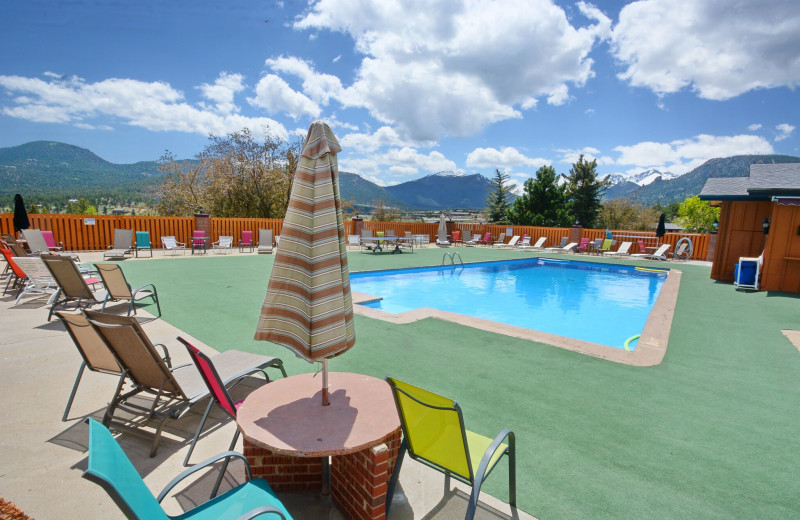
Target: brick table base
(359,480)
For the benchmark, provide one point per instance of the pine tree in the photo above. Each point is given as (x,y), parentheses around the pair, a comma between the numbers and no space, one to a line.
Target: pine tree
(585,192)
(543,202)
(499,198)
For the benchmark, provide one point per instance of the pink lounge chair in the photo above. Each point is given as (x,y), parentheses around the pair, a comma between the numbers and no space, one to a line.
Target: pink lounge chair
(198,240)
(487,239)
(583,247)
(246,241)
(50,240)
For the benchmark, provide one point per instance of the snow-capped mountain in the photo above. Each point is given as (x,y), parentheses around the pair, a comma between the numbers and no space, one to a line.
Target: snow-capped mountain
(643,178)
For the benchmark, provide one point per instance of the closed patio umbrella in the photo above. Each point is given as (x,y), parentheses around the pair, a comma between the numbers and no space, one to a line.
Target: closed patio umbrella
(661,228)
(308,307)
(20,215)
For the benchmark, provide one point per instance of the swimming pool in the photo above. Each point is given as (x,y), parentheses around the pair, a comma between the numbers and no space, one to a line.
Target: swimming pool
(599,303)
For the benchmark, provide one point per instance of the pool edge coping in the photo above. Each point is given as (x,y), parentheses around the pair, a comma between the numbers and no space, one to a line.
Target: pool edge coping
(650,349)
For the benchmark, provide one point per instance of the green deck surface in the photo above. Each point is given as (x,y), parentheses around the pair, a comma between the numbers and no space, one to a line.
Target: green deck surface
(711,432)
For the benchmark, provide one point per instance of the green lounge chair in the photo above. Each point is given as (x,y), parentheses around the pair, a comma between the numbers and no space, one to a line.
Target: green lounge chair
(434,434)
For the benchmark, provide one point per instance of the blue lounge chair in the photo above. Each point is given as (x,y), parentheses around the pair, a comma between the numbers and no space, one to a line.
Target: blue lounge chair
(112,470)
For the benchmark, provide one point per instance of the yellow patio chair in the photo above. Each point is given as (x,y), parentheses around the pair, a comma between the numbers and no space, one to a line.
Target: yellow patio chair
(434,434)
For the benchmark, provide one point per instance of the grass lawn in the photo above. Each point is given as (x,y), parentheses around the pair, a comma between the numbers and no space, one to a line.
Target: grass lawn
(711,432)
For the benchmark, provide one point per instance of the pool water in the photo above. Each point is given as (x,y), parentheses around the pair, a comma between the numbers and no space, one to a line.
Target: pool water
(601,303)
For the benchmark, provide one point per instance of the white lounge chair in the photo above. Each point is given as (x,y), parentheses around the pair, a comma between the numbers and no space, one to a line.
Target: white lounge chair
(511,243)
(538,246)
(566,249)
(224,244)
(622,251)
(171,245)
(660,254)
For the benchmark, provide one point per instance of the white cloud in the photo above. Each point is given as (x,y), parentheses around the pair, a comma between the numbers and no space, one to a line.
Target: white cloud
(155,106)
(683,155)
(396,165)
(275,95)
(590,153)
(505,158)
(718,49)
(385,136)
(316,85)
(453,68)
(223,91)
(784,131)
(754,127)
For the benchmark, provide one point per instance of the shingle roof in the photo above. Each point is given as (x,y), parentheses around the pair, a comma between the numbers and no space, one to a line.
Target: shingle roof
(719,188)
(775,177)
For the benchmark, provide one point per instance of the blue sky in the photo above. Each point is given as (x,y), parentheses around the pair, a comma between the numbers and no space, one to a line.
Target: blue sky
(410,87)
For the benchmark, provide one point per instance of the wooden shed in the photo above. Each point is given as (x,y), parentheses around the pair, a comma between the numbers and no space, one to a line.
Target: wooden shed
(759,214)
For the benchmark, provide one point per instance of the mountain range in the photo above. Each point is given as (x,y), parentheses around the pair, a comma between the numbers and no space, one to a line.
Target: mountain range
(47,168)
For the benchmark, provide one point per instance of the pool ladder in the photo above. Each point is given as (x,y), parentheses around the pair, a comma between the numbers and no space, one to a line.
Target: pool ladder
(452,257)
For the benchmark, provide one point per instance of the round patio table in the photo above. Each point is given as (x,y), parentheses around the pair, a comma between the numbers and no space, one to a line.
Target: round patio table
(288,436)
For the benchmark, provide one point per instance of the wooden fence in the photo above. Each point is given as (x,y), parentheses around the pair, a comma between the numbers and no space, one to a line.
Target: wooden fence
(82,233)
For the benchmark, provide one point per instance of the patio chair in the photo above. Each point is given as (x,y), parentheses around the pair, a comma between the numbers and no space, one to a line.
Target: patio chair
(659,254)
(38,279)
(511,243)
(50,240)
(93,350)
(198,241)
(539,245)
(170,244)
(38,246)
(583,246)
(219,395)
(265,241)
(642,249)
(118,288)
(143,243)
(223,245)
(353,240)
(747,272)
(457,237)
(501,240)
(525,243)
(72,286)
(17,274)
(622,251)
(13,245)
(606,246)
(174,391)
(112,470)
(434,434)
(123,244)
(565,249)
(246,241)
(486,240)
(441,238)
(469,240)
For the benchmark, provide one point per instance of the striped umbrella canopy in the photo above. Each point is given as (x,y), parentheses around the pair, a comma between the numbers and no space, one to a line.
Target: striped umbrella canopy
(308,307)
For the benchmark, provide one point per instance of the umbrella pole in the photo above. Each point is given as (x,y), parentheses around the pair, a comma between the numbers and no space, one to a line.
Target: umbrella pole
(325,401)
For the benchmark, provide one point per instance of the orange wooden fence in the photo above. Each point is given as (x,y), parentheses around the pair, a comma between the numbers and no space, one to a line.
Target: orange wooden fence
(87,233)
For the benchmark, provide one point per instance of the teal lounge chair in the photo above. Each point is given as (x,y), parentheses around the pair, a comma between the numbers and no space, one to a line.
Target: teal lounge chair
(143,243)
(112,470)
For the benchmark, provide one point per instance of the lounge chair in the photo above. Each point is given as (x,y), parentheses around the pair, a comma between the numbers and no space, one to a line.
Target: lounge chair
(112,470)
(606,246)
(50,240)
(583,246)
(143,243)
(174,390)
(748,270)
(198,241)
(525,243)
(353,240)
(123,244)
(246,241)
(659,254)
(622,251)
(511,243)
(501,240)
(434,434)
(265,241)
(224,244)
(38,279)
(38,245)
(566,249)
(72,286)
(539,245)
(470,239)
(457,237)
(486,240)
(170,244)
(17,275)
(94,351)
(118,288)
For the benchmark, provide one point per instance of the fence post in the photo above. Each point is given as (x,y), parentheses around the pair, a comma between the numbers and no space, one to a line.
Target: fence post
(712,246)
(575,234)
(203,223)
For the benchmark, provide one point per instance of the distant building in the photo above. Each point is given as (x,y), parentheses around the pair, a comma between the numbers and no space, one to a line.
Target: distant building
(119,211)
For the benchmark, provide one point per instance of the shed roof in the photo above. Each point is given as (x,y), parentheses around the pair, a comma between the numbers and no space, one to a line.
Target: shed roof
(765,180)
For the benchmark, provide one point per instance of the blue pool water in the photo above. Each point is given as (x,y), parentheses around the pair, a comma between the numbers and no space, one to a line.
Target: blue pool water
(601,303)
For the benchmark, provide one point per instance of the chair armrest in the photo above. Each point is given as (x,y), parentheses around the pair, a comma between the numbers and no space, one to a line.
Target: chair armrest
(167,359)
(263,510)
(202,465)
(487,455)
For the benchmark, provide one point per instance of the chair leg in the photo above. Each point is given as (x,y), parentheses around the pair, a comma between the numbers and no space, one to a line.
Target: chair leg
(395,475)
(225,465)
(74,390)
(199,429)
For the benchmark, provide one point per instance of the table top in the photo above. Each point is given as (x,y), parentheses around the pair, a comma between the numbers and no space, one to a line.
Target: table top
(286,416)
